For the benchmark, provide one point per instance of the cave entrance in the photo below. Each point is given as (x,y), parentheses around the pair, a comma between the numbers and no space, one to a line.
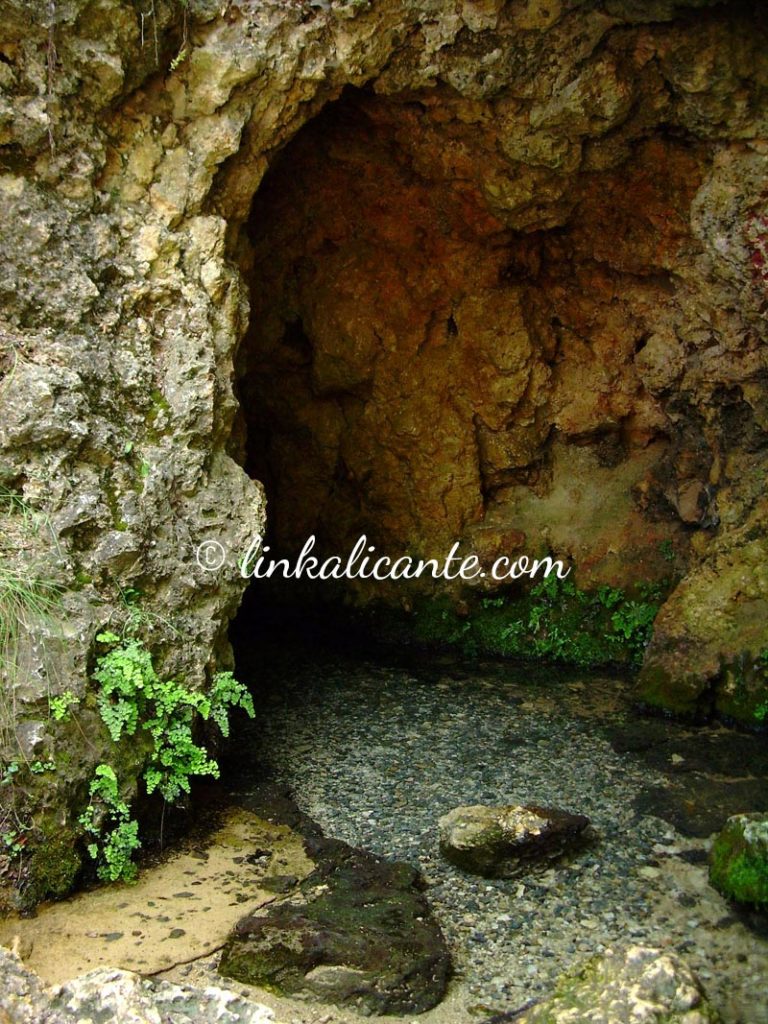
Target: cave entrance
(447,343)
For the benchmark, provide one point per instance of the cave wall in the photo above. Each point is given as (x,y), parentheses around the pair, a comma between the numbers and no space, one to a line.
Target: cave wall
(426,366)
(132,147)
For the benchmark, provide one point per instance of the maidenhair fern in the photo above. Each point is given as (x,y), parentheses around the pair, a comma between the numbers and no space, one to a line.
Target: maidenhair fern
(133,700)
(115,835)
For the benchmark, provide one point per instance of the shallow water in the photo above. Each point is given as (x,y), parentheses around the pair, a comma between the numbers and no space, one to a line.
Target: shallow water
(376,752)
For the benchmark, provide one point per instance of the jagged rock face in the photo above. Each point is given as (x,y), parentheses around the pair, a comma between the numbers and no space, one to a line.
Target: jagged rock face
(555,288)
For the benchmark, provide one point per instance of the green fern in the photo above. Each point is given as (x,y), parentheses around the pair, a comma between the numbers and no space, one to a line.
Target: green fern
(132,698)
(108,819)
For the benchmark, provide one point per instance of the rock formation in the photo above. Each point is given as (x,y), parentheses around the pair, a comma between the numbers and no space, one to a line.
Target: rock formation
(636,983)
(507,279)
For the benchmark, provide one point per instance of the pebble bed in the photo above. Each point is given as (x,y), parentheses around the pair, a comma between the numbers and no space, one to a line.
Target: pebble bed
(376,753)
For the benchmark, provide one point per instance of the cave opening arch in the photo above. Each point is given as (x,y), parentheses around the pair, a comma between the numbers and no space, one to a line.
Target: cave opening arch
(423,367)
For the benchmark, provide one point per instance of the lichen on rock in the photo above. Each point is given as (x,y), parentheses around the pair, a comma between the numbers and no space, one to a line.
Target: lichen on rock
(501,842)
(637,983)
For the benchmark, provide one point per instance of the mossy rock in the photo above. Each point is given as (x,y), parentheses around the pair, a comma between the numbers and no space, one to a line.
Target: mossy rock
(53,866)
(738,865)
(502,842)
(742,693)
(683,695)
(359,933)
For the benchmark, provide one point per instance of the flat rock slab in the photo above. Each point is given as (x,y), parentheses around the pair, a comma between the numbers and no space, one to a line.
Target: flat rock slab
(359,933)
(502,842)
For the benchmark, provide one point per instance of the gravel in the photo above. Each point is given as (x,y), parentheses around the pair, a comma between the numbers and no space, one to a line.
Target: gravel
(376,753)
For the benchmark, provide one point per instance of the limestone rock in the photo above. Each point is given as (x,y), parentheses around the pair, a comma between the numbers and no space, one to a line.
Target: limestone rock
(738,863)
(23,999)
(727,597)
(638,984)
(122,996)
(115,995)
(500,842)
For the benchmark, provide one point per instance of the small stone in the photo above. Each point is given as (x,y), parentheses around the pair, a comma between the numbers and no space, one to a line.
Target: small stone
(648,872)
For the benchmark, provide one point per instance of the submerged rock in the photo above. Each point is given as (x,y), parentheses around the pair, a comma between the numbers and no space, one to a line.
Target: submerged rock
(499,842)
(637,984)
(358,932)
(738,866)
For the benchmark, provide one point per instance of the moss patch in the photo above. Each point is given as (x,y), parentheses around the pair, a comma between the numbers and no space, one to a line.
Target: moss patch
(554,621)
(53,865)
(743,691)
(357,932)
(738,865)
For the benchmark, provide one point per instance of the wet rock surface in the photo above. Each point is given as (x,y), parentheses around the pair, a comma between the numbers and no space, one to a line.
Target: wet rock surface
(705,779)
(358,931)
(501,842)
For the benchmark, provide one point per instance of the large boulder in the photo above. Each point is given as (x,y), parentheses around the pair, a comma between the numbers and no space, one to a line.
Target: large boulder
(738,866)
(637,984)
(359,933)
(500,842)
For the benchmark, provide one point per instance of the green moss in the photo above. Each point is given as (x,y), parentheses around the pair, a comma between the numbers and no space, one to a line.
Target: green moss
(159,404)
(658,689)
(53,865)
(555,621)
(743,691)
(353,911)
(113,502)
(81,579)
(738,866)
(745,879)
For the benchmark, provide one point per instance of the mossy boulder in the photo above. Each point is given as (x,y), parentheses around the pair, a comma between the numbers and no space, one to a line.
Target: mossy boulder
(738,866)
(359,932)
(638,984)
(743,691)
(707,653)
(53,866)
